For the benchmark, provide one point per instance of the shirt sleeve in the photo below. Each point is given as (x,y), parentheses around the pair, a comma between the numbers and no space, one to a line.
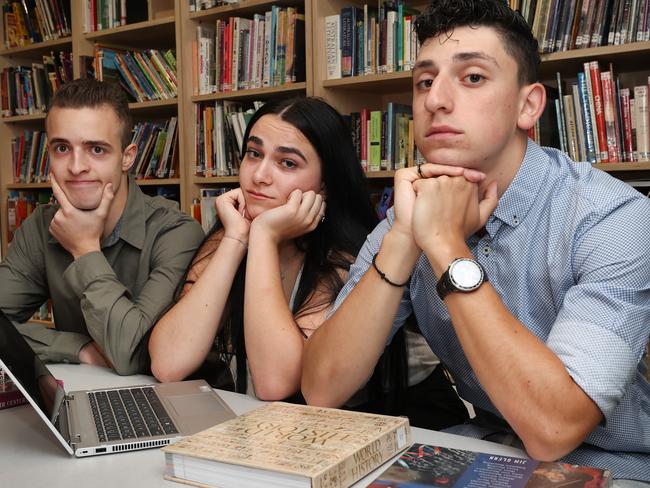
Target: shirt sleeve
(363,263)
(23,289)
(602,327)
(117,321)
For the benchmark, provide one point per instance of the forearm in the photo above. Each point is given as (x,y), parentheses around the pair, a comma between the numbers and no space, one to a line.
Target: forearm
(51,345)
(550,413)
(183,337)
(341,355)
(269,325)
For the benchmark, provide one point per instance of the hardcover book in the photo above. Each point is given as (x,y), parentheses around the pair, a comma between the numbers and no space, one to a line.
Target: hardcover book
(424,466)
(282,444)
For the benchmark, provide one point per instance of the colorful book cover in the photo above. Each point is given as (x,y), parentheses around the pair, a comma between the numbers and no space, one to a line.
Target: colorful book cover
(424,466)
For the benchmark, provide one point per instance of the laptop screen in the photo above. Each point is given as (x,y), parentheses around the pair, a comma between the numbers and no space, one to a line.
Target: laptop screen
(19,359)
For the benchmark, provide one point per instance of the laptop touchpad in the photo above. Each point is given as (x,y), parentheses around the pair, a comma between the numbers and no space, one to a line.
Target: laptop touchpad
(199,404)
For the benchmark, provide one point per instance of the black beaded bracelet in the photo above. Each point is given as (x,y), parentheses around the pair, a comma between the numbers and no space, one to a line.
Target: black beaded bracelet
(382,275)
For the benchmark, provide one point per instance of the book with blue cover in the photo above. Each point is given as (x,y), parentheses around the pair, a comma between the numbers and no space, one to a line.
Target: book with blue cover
(422,466)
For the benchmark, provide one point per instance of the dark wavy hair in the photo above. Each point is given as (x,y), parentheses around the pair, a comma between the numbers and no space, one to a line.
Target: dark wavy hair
(334,244)
(443,16)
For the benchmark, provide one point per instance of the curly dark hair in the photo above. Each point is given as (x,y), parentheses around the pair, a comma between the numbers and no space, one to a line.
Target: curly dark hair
(443,16)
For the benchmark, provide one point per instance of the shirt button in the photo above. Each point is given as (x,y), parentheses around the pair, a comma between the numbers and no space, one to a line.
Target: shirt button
(515,220)
(487,250)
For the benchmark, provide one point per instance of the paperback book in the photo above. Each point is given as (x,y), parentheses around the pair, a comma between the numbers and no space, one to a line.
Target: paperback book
(10,396)
(282,444)
(424,466)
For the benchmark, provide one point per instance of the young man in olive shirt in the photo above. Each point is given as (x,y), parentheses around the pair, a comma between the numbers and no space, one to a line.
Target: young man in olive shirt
(107,255)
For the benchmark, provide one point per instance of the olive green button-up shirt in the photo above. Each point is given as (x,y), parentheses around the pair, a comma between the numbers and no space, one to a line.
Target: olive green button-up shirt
(112,297)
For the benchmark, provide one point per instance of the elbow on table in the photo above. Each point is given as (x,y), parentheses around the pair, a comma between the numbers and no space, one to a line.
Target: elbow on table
(321,389)
(164,372)
(550,443)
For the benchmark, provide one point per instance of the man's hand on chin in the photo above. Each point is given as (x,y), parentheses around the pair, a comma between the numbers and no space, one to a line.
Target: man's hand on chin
(79,231)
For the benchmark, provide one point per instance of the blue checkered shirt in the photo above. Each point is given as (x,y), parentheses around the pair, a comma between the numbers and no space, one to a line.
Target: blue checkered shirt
(567,251)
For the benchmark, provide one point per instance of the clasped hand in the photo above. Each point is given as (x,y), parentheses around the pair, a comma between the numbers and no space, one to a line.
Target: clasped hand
(79,231)
(444,207)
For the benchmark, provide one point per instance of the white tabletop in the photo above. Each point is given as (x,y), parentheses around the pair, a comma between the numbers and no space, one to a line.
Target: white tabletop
(31,457)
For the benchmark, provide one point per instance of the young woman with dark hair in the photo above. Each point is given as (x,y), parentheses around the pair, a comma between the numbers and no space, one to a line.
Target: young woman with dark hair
(267,274)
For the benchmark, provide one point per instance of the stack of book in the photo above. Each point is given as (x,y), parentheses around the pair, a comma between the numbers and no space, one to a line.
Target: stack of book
(561,25)
(28,89)
(20,205)
(384,140)
(281,444)
(369,40)
(220,128)
(29,21)
(597,120)
(29,158)
(106,14)
(239,53)
(148,74)
(157,144)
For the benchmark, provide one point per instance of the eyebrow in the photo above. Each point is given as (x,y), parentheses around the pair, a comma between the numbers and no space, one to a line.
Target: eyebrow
(57,140)
(457,58)
(280,149)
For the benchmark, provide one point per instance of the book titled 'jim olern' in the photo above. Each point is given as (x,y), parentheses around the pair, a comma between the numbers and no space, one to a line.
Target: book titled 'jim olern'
(287,445)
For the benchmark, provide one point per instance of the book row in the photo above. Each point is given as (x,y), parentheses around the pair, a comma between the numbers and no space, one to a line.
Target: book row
(157,144)
(20,205)
(157,155)
(219,136)
(29,21)
(148,74)
(561,25)
(106,14)
(196,5)
(598,120)
(369,40)
(28,89)
(240,53)
(384,140)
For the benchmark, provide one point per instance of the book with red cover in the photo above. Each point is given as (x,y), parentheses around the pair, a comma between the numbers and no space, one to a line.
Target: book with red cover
(423,466)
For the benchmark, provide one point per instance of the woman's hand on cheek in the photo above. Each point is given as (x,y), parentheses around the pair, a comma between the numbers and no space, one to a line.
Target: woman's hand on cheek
(300,215)
(231,208)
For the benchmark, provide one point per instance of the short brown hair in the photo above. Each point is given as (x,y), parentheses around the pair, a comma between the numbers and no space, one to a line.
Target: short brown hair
(88,92)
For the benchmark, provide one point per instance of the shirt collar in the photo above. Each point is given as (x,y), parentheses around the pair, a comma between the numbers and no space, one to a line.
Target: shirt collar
(524,189)
(131,225)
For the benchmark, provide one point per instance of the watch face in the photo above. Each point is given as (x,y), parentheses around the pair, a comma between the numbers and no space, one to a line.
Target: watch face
(466,274)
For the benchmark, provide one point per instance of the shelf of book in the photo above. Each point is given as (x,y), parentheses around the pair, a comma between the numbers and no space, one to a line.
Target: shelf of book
(253,93)
(14,119)
(386,82)
(158,181)
(625,57)
(28,186)
(243,7)
(37,48)
(138,34)
(215,180)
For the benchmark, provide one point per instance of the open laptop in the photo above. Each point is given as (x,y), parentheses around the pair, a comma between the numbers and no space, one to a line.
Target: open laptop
(105,421)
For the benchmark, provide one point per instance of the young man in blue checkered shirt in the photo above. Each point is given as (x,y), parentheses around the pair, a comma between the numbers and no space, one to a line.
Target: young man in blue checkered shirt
(528,273)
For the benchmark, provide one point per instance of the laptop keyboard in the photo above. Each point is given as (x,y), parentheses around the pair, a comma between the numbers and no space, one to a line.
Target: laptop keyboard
(129,413)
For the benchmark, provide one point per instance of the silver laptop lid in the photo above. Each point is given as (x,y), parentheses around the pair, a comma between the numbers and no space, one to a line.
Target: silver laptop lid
(34,380)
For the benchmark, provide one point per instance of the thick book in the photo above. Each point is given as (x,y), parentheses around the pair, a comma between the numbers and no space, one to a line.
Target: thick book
(282,444)
(424,465)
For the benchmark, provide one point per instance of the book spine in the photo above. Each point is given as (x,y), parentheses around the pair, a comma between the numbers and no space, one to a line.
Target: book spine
(628,143)
(597,91)
(332,46)
(362,462)
(641,119)
(374,156)
(592,113)
(570,124)
(610,116)
(586,115)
